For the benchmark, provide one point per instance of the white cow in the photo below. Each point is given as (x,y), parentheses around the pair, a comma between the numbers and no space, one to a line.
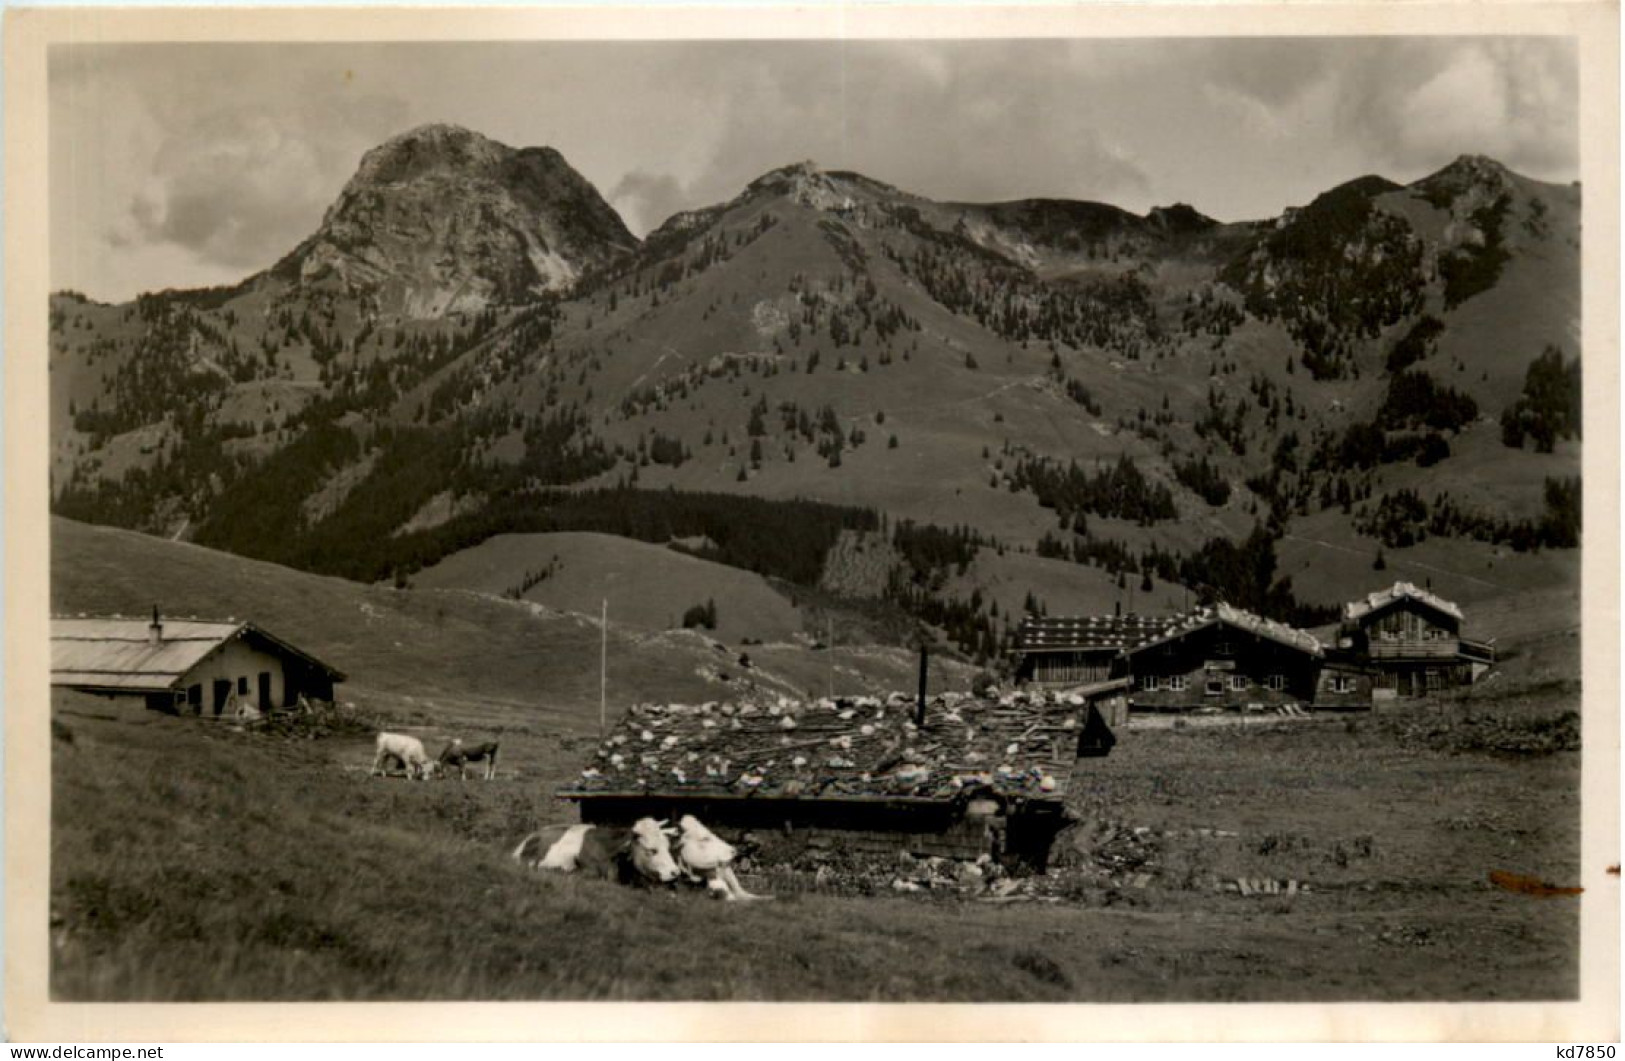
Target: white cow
(638,854)
(706,856)
(408,751)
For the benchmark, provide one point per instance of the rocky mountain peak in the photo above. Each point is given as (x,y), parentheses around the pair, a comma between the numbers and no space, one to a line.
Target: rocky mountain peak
(442,219)
(1178,219)
(1476,177)
(808,184)
(427,149)
(1481,167)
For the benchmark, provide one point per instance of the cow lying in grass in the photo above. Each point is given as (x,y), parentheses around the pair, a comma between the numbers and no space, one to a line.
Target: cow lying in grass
(640,854)
(704,856)
(407,751)
(459,755)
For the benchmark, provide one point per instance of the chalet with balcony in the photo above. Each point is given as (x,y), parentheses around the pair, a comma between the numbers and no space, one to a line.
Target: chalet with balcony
(1411,639)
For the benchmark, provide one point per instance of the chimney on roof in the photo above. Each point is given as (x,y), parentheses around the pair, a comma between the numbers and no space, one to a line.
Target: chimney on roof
(155,631)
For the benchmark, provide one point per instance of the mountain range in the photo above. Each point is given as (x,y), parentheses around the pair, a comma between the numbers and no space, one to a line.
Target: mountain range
(961,410)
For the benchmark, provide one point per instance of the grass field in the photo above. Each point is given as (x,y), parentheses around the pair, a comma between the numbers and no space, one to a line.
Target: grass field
(192,862)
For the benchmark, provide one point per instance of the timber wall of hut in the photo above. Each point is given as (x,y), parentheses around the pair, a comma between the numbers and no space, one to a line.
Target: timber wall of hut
(1220,667)
(783,826)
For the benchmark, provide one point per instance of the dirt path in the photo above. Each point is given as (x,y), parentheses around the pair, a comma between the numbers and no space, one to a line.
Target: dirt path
(1408,563)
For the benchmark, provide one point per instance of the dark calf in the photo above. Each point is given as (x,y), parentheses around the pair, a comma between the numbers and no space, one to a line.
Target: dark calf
(459,755)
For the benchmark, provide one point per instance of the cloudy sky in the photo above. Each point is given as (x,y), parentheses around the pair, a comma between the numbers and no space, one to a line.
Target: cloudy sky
(183,165)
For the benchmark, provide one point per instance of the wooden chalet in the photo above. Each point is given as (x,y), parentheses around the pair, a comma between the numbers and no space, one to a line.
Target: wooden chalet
(185,666)
(955,776)
(1225,658)
(1064,652)
(1412,639)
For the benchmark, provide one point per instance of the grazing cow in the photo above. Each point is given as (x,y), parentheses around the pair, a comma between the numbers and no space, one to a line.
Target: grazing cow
(640,854)
(460,755)
(408,751)
(706,856)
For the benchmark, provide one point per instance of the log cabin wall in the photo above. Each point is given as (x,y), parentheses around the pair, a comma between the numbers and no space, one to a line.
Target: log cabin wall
(1076,667)
(783,828)
(1218,666)
(1408,630)
(1344,688)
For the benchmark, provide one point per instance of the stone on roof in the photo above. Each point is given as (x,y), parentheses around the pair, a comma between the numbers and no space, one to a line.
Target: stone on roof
(1089,632)
(1022,745)
(1399,591)
(1269,629)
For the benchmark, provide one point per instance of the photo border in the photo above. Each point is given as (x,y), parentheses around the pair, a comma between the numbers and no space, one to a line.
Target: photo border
(30,1016)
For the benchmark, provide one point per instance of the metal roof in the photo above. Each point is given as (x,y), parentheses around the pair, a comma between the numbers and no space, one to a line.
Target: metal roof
(118,653)
(1399,591)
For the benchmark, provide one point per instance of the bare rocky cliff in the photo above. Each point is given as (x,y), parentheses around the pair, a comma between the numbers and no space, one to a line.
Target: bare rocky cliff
(441,219)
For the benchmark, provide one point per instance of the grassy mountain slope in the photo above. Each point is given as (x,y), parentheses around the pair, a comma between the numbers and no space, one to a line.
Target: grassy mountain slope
(648,586)
(825,336)
(436,655)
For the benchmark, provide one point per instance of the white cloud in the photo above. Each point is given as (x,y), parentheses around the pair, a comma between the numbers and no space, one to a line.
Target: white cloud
(229,177)
(644,200)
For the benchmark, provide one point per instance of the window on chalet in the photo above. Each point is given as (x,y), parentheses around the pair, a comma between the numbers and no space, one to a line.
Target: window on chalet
(1435,680)
(1177,683)
(1148,683)
(1223,648)
(1215,687)
(1238,682)
(1342,683)
(1277,682)
(242,685)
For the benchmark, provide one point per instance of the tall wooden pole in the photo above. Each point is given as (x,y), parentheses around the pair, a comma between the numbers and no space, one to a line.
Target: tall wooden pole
(603,670)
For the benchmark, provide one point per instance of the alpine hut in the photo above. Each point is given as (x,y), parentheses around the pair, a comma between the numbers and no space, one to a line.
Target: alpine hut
(955,776)
(1223,657)
(185,666)
(1079,652)
(1412,639)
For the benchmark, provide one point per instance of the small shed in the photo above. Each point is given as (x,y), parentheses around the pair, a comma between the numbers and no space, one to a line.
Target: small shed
(963,777)
(185,666)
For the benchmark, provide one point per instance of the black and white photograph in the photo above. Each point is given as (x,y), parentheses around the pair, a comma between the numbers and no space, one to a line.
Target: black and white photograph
(885,518)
